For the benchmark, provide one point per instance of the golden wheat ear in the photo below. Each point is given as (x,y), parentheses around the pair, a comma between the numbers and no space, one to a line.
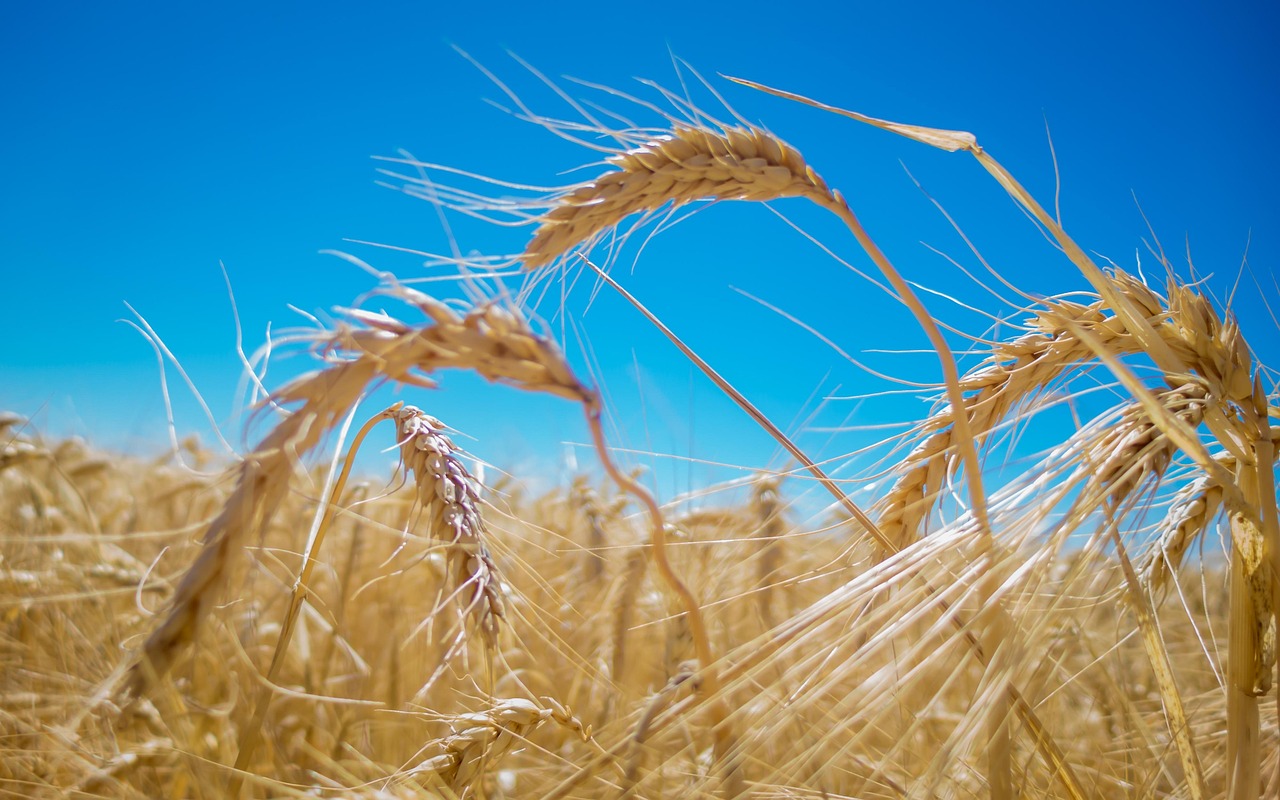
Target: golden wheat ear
(451,505)
(685,166)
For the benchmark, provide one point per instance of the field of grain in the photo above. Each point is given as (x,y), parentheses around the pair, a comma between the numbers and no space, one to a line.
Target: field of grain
(279,628)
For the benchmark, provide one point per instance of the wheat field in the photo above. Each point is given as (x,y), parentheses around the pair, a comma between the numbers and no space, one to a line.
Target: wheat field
(1100,624)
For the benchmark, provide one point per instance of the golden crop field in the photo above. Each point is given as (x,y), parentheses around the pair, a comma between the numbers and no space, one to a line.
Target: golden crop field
(276,628)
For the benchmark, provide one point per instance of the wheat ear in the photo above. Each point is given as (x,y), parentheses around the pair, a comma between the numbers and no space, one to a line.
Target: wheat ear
(624,610)
(687,165)
(451,506)
(1134,449)
(484,738)
(1012,373)
(588,502)
(1189,514)
(1192,509)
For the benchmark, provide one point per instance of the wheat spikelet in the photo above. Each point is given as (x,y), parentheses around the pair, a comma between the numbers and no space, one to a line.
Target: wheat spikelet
(18,452)
(451,506)
(1213,348)
(1135,447)
(1193,507)
(9,419)
(588,502)
(687,165)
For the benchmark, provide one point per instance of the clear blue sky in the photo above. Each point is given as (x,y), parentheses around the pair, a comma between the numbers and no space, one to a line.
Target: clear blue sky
(144,143)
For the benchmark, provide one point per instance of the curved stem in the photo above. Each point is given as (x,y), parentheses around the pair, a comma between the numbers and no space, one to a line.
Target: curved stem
(708,683)
(950,372)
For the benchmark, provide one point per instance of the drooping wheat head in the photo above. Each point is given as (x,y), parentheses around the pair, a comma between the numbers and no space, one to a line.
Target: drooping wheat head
(451,508)
(683,166)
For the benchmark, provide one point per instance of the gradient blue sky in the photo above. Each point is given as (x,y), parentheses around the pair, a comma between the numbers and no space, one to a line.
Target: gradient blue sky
(144,143)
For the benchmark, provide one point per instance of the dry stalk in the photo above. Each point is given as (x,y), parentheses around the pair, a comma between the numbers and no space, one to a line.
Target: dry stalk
(767,507)
(1158,656)
(624,610)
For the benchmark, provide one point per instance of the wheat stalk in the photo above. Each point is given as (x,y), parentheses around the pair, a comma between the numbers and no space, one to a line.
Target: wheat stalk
(767,507)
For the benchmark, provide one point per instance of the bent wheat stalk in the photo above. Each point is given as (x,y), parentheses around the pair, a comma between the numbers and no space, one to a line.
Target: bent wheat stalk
(751,164)
(491,339)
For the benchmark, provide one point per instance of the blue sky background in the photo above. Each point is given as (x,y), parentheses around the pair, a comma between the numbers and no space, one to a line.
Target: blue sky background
(144,143)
